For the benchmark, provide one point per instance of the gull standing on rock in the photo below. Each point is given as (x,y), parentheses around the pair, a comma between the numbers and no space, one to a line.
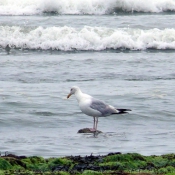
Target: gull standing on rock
(94,107)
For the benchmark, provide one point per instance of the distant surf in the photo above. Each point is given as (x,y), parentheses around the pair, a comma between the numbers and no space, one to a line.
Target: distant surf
(88,7)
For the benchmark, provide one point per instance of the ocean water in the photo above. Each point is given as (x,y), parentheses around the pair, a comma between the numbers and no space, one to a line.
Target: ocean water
(120,51)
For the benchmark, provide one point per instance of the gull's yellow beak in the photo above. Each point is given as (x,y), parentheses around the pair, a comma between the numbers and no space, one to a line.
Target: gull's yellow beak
(69,95)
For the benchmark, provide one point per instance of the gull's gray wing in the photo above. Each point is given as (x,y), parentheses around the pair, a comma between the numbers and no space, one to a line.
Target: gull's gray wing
(103,108)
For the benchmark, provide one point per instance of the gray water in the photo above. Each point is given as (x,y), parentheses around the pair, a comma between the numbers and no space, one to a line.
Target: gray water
(37,119)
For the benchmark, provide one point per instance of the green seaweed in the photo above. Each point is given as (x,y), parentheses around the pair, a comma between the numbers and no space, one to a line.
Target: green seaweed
(4,164)
(119,165)
(130,163)
(60,161)
(33,160)
(35,163)
(166,170)
(125,161)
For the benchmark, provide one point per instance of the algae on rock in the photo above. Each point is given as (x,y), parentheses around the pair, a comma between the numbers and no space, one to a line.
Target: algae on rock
(113,163)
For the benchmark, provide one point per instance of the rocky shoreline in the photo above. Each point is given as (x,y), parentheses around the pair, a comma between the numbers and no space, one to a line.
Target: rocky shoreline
(112,163)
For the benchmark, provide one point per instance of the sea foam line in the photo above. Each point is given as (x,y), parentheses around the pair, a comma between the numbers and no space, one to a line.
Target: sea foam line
(86,38)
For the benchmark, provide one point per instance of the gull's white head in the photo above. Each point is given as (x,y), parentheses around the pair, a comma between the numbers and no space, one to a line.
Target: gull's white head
(73,90)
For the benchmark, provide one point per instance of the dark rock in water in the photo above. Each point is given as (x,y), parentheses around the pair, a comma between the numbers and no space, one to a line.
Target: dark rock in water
(87,130)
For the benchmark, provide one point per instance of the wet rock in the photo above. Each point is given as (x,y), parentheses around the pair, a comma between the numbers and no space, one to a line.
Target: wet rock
(79,167)
(110,154)
(86,160)
(87,130)
(86,163)
(83,167)
(14,156)
(60,168)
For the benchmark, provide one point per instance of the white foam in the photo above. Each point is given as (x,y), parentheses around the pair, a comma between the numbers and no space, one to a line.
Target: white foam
(18,7)
(87,38)
(147,6)
(31,7)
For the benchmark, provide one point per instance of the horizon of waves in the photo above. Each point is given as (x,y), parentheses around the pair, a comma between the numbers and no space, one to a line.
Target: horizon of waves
(88,7)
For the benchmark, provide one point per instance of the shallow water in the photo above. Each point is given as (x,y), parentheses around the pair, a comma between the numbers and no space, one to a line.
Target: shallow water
(125,59)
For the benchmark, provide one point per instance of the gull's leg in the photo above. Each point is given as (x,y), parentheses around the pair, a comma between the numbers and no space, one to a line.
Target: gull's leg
(96,133)
(93,129)
(96,124)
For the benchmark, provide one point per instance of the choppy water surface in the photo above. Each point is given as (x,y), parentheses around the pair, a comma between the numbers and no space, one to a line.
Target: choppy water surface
(122,56)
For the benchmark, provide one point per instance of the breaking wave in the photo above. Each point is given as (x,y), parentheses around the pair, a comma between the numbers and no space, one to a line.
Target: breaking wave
(90,7)
(87,38)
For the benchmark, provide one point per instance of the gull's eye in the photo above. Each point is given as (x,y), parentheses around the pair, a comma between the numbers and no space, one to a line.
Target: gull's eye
(71,89)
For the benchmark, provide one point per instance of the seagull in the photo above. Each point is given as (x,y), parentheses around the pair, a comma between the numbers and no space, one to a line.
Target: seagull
(94,107)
